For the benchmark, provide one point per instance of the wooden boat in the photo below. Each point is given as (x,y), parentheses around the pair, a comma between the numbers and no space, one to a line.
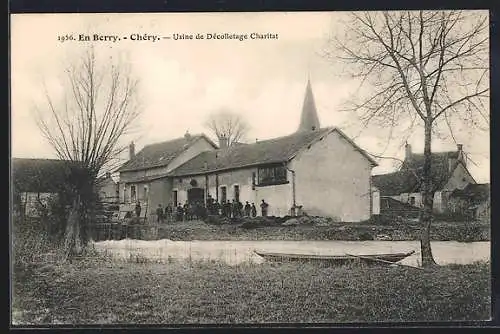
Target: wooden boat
(335,259)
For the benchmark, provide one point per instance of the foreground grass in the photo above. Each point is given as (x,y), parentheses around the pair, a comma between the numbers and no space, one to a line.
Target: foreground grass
(112,293)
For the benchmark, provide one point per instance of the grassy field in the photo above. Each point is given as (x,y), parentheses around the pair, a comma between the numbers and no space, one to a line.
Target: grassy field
(199,230)
(174,293)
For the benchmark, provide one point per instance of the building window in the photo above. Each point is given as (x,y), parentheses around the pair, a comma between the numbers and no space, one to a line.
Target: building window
(133,195)
(412,200)
(174,197)
(254,177)
(237,193)
(223,194)
(125,194)
(145,193)
(272,175)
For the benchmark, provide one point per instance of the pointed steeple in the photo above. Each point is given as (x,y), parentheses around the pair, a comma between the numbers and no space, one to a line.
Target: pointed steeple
(309,120)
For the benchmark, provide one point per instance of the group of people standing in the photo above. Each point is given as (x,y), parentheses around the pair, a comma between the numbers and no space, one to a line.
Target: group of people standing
(197,210)
(234,208)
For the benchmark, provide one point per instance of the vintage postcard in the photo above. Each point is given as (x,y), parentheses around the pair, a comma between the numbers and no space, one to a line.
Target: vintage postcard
(250,168)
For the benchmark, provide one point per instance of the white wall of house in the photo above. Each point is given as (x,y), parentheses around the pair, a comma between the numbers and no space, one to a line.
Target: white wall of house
(278,197)
(333,179)
(201,145)
(459,179)
(418,202)
(375,201)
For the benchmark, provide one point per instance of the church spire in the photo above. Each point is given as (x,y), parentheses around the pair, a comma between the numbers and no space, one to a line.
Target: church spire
(309,120)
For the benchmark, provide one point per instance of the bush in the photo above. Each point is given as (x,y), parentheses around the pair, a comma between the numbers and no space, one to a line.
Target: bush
(31,243)
(470,232)
(364,235)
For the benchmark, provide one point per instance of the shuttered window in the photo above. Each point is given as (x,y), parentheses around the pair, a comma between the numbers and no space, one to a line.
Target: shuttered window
(272,175)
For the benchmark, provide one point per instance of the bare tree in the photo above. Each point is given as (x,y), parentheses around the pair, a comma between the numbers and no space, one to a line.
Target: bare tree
(418,68)
(86,126)
(229,125)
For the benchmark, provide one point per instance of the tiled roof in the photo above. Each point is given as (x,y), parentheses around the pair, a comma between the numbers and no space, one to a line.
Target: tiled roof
(477,192)
(406,180)
(437,159)
(396,183)
(161,154)
(276,150)
(39,175)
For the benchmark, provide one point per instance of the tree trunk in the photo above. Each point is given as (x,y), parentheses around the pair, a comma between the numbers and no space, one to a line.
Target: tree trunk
(72,237)
(428,201)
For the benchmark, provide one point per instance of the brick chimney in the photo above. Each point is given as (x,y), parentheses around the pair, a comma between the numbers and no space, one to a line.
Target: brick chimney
(223,142)
(131,150)
(408,153)
(461,155)
(187,135)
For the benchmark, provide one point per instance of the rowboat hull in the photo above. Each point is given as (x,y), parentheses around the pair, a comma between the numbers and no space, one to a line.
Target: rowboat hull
(335,259)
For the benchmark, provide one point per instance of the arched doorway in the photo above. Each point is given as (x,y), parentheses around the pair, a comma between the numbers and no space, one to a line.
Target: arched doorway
(196,195)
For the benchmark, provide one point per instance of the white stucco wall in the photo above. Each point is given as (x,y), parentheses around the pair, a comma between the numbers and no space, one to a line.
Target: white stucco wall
(333,179)
(375,202)
(201,145)
(459,180)
(437,202)
(278,197)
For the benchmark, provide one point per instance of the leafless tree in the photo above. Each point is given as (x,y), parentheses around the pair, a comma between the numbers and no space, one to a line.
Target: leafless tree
(418,68)
(86,126)
(229,125)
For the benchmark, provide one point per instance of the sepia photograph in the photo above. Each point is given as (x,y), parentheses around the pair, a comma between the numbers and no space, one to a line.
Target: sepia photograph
(250,168)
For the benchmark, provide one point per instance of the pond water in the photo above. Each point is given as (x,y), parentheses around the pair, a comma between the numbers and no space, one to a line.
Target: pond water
(235,252)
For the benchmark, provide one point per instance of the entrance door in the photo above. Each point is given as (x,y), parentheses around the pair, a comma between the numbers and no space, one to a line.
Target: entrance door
(196,195)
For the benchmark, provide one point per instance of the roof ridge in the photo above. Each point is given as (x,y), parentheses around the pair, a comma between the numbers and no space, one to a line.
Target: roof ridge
(171,140)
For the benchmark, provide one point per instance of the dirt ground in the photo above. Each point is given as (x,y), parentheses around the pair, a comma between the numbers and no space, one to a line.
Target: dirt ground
(267,229)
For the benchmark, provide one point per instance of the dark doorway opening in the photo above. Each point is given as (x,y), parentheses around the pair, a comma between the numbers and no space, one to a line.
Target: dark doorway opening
(196,195)
(237,193)
(223,191)
(174,196)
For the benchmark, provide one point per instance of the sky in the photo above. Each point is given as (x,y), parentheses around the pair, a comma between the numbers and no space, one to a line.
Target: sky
(183,81)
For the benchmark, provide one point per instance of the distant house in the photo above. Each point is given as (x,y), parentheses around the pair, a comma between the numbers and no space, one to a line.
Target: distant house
(34,181)
(319,170)
(474,200)
(108,189)
(448,173)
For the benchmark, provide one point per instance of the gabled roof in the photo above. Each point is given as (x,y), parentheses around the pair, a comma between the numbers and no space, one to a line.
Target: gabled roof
(39,175)
(438,159)
(264,152)
(408,178)
(161,154)
(395,183)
